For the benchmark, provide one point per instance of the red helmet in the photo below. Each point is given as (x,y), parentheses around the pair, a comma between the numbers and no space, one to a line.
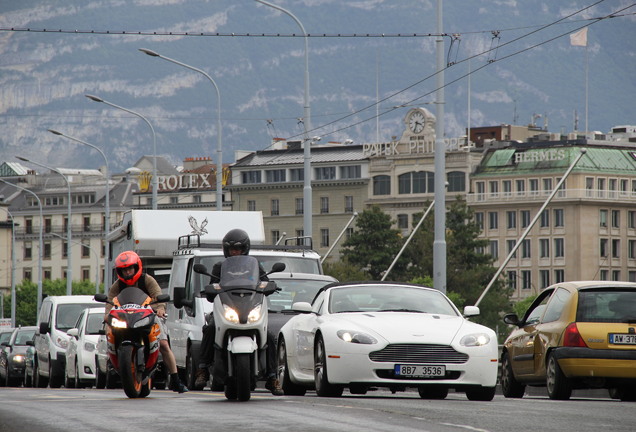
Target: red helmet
(128,259)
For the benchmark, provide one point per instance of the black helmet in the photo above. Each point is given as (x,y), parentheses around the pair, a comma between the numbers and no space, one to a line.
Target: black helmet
(236,239)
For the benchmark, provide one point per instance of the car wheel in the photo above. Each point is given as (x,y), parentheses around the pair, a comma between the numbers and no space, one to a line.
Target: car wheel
(39,380)
(625,394)
(55,381)
(78,382)
(68,381)
(286,383)
(479,393)
(28,380)
(510,387)
(558,386)
(100,377)
(433,392)
(190,372)
(323,387)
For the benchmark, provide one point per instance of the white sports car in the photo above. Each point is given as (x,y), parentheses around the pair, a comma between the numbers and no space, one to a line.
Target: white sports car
(380,334)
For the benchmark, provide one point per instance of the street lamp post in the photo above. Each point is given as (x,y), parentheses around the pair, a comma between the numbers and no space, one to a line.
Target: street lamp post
(155,179)
(219,147)
(40,246)
(106,206)
(69,260)
(12,269)
(307,193)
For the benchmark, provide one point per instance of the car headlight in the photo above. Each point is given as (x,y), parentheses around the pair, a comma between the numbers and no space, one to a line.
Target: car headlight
(230,314)
(356,337)
(117,323)
(476,339)
(89,346)
(142,322)
(62,342)
(18,358)
(255,314)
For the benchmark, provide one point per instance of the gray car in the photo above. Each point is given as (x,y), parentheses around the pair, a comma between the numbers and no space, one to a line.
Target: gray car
(13,356)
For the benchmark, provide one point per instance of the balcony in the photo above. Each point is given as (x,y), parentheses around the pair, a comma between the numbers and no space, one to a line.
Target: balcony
(596,195)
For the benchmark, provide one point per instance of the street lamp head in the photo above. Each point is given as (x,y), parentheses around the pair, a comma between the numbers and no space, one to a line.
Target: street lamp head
(23,159)
(94,98)
(316,138)
(54,132)
(149,52)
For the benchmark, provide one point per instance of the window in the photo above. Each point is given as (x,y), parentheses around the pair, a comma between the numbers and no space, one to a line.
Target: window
(547,185)
(416,182)
(526,279)
(324,205)
(251,177)
(525,249)
(275,236)
(616,248)
(545,218)
(600,186)
(623,186)
(86,273)
(251,205)
(556,305)
(299,237)
(324,237)
(86,223)
(559,247)
(86,251)
(493,187)
(197,199)
(299,206)
(27,274)
(616,275)
(28,226)
(559,276)
(46,273)
(632,276)
(46,253)
(64,249)
(481,190)
(47,225)
(631,219)
(381,185)
(534,187)
(403,221)
(631,249)
(494,249)
(174,200)
(275,176)
(603,247)
(512,280)
(28,250)
(525,218)
(297,174)
(348,233)
(348,204)
(616,218)
(521,187)
(507,188)
(612,188)
(511,217)
(511,245)
(275,207)
(479,220)
(493,220)
(589,186)
(350,172)
(325,173)
(603,218)
(544,275)
(558,218)
(603,275)
(544,248)
(456,181)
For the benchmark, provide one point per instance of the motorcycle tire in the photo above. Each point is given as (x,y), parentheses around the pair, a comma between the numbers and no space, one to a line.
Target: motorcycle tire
(243,377)
(130,377)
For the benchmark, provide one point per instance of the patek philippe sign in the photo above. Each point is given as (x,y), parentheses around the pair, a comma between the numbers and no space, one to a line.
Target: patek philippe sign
(540,155)
(416,145)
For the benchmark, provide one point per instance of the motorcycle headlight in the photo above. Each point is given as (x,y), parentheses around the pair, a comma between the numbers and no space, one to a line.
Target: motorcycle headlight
(476,339)
(230,314)
(117,323)
(142,322)
(255,314)
(356,337)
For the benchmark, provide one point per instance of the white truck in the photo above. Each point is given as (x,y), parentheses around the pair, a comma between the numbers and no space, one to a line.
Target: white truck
(188,312)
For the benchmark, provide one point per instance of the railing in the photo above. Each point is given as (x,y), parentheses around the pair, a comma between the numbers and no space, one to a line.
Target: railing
(562,195)
(77,230)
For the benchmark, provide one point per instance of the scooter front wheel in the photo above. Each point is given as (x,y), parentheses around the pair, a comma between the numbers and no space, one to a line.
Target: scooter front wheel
(243,377)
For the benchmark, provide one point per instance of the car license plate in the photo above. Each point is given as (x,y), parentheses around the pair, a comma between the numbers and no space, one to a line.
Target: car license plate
(622,339)
(419,371)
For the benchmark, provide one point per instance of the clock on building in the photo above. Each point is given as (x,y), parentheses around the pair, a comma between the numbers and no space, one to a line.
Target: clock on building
(416,121)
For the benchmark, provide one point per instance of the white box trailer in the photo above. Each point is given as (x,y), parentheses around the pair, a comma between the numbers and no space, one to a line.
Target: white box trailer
(153,234)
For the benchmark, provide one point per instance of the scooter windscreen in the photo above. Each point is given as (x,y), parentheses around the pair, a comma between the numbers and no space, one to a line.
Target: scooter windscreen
(240,272)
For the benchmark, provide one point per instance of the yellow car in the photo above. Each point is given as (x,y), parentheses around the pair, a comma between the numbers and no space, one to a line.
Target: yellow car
(575,335)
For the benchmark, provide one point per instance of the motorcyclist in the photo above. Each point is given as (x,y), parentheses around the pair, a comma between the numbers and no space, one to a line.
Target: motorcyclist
(235,242)
(130,273)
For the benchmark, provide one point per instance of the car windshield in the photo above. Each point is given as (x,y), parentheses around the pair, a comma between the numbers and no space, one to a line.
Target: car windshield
(67,314)
(23,336)
(607,306)
(5,336)
(293,291)
(388,298)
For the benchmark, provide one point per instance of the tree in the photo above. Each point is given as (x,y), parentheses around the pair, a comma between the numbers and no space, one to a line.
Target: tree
(26,298)
(373,244)
(344,271)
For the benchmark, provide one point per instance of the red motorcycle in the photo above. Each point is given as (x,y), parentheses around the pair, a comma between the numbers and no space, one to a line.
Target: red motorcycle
(132,332)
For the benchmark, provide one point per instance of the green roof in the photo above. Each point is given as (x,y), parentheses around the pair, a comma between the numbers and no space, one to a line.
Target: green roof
(557,159)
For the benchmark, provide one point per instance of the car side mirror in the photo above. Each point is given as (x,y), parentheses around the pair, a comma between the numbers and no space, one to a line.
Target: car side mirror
(277,267)
(511,319)
(470,311)
(44,328)
(302,307)
(73,333)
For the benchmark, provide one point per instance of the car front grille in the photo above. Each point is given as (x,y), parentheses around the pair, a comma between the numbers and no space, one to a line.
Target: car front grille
(418,353)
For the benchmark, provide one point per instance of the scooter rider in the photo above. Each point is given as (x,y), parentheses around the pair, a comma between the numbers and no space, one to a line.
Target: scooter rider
(129,272)
(235,242)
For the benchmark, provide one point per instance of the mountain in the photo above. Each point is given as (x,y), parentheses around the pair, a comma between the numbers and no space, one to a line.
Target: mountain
(523,68)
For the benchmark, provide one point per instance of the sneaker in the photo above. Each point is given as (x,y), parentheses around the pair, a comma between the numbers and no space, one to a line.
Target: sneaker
(201,378)
(273,385)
